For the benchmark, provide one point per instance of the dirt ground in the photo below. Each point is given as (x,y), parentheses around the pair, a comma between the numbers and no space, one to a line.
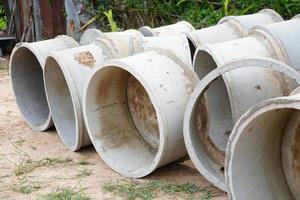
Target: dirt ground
(18,144)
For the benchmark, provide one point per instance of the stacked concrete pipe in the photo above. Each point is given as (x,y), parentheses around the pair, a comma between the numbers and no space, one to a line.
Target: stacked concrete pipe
(209,119)
(133,108)
(262,156)
(26,73)
(66,72)
(232,27)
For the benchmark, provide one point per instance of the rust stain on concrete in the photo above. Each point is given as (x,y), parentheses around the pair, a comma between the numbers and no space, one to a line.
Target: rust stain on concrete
(85,58)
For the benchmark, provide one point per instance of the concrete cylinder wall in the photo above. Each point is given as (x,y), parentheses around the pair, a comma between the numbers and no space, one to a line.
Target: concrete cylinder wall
(232,27)
(65,75)
(261,160)
(26,73)
(133,108)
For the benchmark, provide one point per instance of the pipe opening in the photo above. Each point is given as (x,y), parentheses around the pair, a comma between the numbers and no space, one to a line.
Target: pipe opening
(217,104)
(192,48)
(28,86)
(122,121)
(60,102)
(256,159)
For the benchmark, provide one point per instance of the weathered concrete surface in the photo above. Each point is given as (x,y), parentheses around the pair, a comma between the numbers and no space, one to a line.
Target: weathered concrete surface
(19,142)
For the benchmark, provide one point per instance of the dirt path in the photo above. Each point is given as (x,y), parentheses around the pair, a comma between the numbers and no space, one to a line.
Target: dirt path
(37,163)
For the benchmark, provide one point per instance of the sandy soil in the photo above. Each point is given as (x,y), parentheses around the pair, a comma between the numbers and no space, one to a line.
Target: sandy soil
(19,143)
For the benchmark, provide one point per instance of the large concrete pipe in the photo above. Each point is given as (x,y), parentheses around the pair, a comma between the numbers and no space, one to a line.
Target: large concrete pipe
(262,156)
(71,70)
(182,27)
(26,73)
(264,41)
(177,44)
(209,119)
(232,27)
(134,107)
(64,75)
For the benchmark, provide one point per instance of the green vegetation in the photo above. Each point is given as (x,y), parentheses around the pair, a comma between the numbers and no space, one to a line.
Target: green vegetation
(149,190)
(3,18)
(201,13)
(84,173)
(29,165)
(65,194)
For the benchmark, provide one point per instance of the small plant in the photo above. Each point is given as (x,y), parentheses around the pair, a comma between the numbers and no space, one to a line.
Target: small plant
(25,187)
(84,173)
(112,23)
(148,190)
(29,165)
(83,162)
(65,194)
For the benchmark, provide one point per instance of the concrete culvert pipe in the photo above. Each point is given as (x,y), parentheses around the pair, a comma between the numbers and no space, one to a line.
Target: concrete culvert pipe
(64,76)
(133,108)
(182,27)
(296,16)
(129,44)
(89,36)
(232,27)
(262,156)
(284,38)
(26,73)
(209,119)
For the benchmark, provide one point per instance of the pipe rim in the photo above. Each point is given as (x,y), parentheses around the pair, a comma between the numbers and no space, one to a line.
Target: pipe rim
(199,91)
(160,119)
(79,122)
(48,122)
(289,102)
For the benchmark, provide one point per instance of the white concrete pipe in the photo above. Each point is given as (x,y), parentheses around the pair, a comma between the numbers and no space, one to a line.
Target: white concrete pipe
(26,73)
(65,67)
(182,27)
(296,16)
(232,27)
(133,108)
(89,36)
(65,74)
(220,99)
(266,41)
(262,156)
(132,44)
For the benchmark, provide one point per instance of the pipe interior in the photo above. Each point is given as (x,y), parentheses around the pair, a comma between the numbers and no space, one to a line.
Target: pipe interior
(122,120)
(60,102)
(256,167)
(218,106)
(28,86)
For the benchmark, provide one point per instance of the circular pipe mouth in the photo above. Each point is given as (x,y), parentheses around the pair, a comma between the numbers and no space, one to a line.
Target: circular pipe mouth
(123,122)
(255,169)
(27,82)
(61,104)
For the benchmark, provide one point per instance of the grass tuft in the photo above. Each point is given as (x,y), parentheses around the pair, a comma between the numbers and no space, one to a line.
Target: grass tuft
(84,173)
(29,165)
(83,162)
(148,190)
(65,194)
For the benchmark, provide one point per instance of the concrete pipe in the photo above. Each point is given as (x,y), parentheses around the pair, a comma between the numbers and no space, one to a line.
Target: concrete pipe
(232,27)
(182,27)
(284,38)
(64,75)
(296,16)
(26,73)
(134,107)
(262,156)
(176,44)
(89,36)
(209,119)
